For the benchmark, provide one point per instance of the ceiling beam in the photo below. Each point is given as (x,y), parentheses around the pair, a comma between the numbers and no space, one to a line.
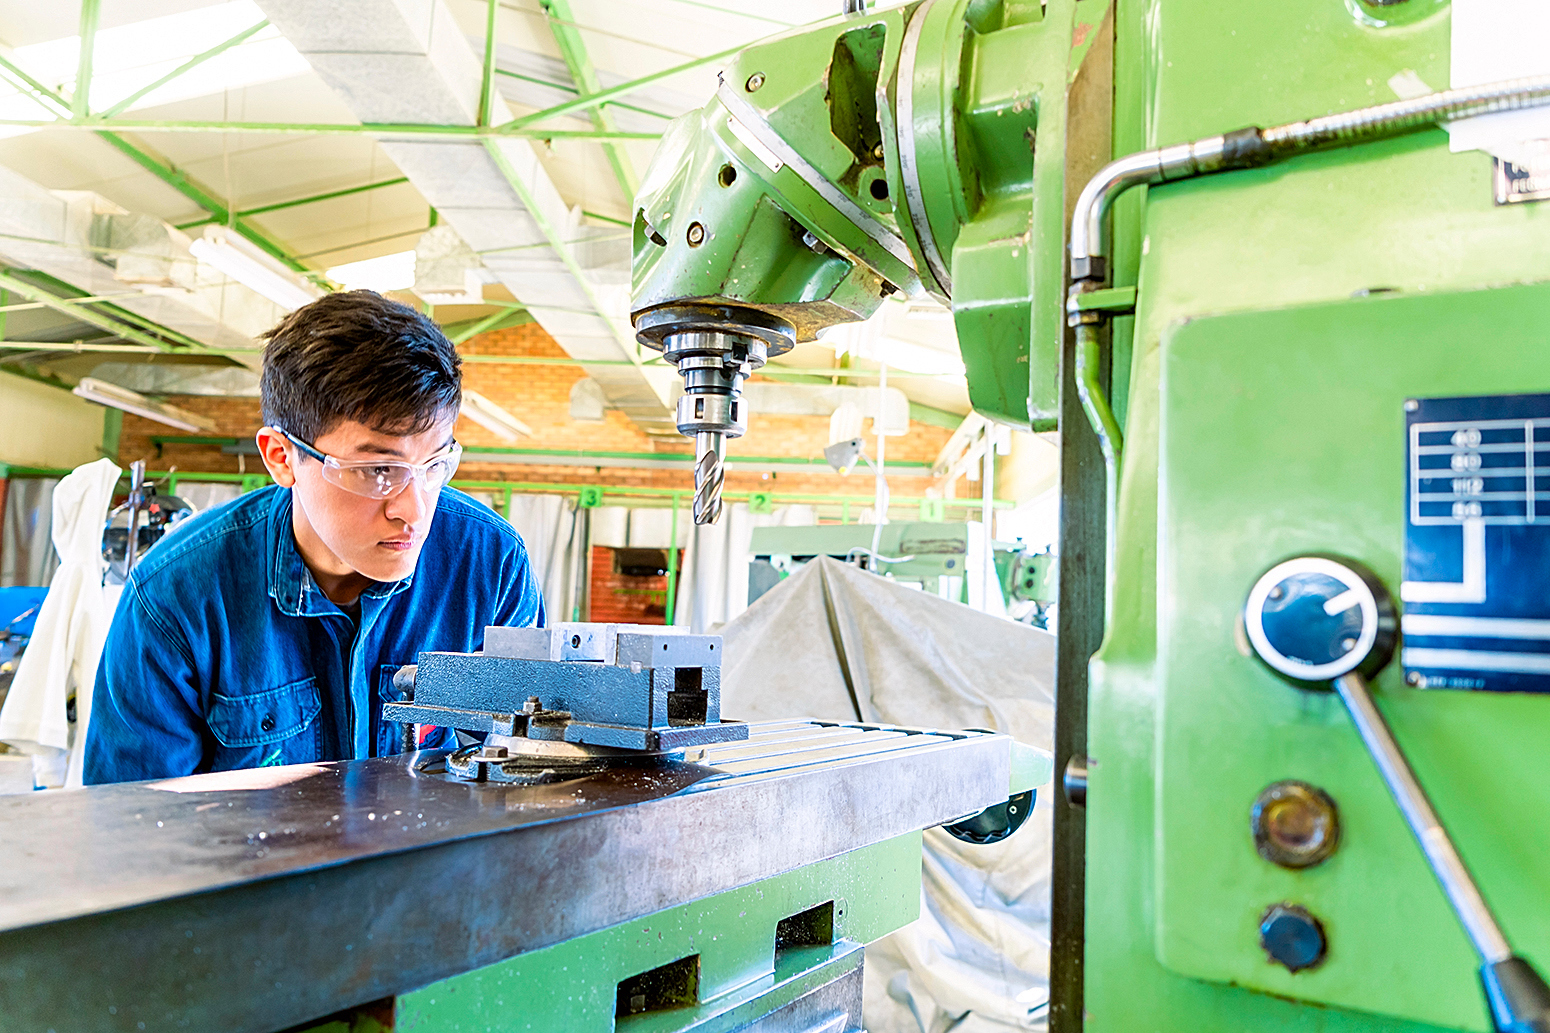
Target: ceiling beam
(613,92)
(195,192)
(299,201)
(487,83)
(563,88)
(40,93)
(81,92)
(562,25)
(190,64)
(379,129)
(83,313)
(561,248)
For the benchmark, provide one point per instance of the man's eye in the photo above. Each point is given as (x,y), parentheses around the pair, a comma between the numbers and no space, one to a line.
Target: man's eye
(381,471)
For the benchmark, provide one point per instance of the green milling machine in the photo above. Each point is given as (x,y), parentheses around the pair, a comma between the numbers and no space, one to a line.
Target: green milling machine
(1289,338)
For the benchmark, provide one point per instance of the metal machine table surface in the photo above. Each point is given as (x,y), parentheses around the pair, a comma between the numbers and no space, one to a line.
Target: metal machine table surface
(253,900)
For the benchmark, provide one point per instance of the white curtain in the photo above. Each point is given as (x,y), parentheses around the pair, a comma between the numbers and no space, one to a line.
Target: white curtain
(835,642)
(713,587)
(61,660)
(557,543)
(27,556)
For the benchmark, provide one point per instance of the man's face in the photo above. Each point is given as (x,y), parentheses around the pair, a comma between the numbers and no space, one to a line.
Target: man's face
(339,532)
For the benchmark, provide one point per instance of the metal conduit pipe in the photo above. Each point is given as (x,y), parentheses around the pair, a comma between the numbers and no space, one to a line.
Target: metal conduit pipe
(1249,147)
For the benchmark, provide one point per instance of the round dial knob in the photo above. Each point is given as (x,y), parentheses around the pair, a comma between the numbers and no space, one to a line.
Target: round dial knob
(1312,619)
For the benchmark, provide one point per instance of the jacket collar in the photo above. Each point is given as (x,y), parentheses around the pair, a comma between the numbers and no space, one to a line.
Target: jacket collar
(291,584)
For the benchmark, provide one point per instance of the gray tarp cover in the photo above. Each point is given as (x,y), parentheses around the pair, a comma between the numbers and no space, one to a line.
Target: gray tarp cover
(835,642)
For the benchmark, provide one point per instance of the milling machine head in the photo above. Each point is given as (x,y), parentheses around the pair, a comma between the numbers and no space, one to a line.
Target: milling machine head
(766,217)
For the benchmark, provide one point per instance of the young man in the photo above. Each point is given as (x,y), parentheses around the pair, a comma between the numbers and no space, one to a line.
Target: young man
(267,631)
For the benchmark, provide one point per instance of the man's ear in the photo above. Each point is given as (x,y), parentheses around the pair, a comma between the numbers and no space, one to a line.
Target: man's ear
(272,448)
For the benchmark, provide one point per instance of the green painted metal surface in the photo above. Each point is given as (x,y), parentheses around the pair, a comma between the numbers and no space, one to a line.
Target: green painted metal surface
(925,119)
(1251,436)
(1334,480)
(572,985)
(1241,364)
(80,91)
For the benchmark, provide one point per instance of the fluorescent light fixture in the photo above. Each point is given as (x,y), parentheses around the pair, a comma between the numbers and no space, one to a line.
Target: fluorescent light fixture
(381,274)
(255,270)
(104,393)
(492,417)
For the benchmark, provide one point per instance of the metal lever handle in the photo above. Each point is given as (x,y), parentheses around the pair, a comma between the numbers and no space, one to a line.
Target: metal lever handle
(1518,997)
(1321,619)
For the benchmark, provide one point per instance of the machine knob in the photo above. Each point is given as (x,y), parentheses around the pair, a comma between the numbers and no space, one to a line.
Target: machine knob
(1313,619)
(1292,937)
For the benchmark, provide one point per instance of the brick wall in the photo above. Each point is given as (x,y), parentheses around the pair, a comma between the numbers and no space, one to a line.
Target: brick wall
(540,396)
(618,599)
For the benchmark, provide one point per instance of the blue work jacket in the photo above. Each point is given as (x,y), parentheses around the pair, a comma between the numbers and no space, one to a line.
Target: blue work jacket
(224,653)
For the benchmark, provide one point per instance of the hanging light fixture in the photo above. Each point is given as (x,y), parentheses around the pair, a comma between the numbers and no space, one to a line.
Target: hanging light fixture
(251,267)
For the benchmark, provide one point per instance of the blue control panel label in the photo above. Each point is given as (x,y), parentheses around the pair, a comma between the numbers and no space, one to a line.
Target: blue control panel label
(1476,588)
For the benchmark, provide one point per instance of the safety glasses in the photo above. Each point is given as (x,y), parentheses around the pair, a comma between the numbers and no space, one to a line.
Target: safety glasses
(383,478)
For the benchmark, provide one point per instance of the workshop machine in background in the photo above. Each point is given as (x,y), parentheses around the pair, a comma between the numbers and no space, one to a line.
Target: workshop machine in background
(612,855)
(943,559)
(1312,329)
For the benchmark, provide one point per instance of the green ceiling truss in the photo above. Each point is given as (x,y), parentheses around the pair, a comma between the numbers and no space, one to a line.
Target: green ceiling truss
(186,185)
(191,63)
(103,316)
(562,25)
(299,201)
(90,9)
(501,320)
(565,88)
(51,102)
(487,85)
(562,249)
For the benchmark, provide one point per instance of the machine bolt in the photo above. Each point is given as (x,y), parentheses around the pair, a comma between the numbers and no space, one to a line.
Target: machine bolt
(877,152)
(1291,936)
(696,234)
(755,81)
(1413,679)
(492,753)
(1295,825)
(532,706)
(1411,405)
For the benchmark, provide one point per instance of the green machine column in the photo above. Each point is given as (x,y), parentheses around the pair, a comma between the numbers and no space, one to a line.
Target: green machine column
(1283,318)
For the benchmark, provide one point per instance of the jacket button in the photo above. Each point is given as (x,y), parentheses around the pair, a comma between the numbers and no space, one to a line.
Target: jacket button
(268,723)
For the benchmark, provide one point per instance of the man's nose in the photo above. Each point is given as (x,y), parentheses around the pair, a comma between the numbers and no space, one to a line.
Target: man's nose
(412,505)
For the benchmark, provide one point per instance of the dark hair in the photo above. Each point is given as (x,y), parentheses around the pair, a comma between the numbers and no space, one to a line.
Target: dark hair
(358,356)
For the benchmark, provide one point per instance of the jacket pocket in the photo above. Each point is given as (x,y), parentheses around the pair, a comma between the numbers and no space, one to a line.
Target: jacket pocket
(267,719)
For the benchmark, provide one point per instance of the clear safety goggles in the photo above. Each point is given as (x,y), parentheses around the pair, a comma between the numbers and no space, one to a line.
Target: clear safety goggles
(383,478)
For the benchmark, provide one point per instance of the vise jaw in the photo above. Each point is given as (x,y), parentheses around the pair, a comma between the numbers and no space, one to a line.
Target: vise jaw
(624,686)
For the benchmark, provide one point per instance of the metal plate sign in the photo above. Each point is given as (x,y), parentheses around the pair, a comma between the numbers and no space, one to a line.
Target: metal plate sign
(1477,543)
(1525,179)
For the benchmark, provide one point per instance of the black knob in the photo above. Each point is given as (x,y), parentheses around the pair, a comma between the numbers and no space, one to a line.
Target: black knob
(1292,937)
